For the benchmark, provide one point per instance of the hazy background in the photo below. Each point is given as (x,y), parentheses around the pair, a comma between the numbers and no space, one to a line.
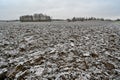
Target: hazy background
(12,9)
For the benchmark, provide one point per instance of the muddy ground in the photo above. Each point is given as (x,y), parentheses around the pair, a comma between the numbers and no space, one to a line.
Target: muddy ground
(88,50)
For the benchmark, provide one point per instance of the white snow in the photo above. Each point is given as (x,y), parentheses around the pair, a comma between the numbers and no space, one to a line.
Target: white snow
(39,71)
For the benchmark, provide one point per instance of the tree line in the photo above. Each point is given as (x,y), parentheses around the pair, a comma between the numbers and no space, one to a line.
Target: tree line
(89,19)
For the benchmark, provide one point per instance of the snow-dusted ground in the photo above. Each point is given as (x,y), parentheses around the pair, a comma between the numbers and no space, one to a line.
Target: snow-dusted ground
(87,50)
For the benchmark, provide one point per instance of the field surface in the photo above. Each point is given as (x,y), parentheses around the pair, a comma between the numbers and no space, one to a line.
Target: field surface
(88,50)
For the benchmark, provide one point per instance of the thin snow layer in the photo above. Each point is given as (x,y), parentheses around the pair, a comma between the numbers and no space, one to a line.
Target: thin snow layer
(88,50)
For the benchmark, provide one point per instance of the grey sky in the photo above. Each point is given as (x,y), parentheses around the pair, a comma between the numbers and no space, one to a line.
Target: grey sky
(12,9)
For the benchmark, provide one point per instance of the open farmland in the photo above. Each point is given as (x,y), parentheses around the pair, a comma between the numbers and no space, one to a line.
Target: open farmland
(88,50)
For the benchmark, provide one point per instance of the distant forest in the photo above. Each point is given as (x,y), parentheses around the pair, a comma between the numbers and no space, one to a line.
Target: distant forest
(88,19)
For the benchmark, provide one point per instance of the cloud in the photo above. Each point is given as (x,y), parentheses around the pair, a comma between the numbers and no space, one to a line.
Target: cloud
(12,9)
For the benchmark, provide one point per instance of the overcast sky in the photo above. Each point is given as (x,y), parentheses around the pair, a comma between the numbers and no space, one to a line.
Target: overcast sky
(12,9)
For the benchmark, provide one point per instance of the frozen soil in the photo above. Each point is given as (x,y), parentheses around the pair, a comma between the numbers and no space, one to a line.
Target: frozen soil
(87,50)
